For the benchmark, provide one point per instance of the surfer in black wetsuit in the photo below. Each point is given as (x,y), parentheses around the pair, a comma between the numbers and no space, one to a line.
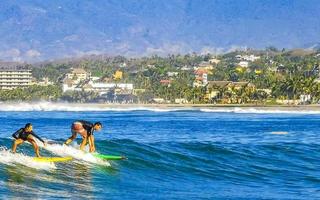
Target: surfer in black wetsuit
(85,129)
(26,134)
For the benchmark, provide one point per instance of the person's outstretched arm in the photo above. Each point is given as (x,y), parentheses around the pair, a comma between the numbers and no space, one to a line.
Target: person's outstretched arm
(36,136)
(70,139)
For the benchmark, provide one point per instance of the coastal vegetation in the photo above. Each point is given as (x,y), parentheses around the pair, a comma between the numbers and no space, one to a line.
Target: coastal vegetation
(275,76)
(32,93)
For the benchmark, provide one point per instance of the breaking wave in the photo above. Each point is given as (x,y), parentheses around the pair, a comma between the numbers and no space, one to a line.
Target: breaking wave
(76,107)
(65,151)
(269,110)
(9,158)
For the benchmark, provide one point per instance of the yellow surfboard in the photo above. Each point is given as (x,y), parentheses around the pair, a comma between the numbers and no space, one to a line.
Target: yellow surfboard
(52,159)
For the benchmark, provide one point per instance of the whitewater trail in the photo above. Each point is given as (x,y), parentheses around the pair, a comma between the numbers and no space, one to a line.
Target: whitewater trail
(9,158)
(64,151)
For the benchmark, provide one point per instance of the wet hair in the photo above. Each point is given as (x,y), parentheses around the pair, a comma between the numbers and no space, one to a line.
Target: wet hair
(98,123)
(27,125)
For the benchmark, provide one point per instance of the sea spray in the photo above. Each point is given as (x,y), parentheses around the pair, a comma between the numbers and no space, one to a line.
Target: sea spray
(73,107)
(63,150)
(9,158)
(261,111)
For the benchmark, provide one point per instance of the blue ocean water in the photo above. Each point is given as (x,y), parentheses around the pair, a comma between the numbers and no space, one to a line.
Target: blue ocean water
(174,154)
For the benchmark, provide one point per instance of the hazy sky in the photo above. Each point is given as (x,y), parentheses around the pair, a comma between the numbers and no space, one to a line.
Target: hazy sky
(34,30)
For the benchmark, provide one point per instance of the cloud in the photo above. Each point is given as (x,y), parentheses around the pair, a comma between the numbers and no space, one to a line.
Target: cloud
(136,29)
(168,48)
(78,53)
(11,55)
(32,53)
(211,50)
(237,48)
(34,9)
(71,38)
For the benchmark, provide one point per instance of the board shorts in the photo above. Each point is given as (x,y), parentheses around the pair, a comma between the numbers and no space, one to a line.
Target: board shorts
(77,128)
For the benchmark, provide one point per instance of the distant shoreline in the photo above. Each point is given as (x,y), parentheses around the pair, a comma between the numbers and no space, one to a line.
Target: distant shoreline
(116,105)
(193,105)
(88,107)
(129,105)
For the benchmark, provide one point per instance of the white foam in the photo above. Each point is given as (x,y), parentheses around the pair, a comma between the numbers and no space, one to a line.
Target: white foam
(63,150)
(226,110)
(279,132)
(260,111)
(9,158)
(71,107)
(49,106)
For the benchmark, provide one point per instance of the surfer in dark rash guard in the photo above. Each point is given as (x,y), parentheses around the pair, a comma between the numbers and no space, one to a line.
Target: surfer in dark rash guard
(26,134)
(85,129)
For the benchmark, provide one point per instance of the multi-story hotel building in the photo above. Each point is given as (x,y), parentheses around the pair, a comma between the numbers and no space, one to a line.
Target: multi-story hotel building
(14,76)
(78,74)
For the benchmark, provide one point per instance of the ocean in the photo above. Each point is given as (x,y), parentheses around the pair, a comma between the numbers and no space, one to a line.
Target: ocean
(183,153)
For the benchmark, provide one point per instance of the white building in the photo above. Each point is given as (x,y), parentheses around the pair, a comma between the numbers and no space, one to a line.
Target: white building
(171,74)
(181,101)
(243,64)
(43,82)
(95,78)
(186,68)
(201,77)
(78,74)
(99,87)
(103,88)
(305,98)
(74,78)
(239,57)
(204,79)
(250,58)
(14,75)
(79,80)
(68,85)
(214,61)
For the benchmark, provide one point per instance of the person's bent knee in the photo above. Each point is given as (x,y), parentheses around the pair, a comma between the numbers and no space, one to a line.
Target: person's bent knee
(17,141)
(33,142)
(35,145)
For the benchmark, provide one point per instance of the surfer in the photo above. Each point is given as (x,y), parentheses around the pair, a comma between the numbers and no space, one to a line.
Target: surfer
(26,134)
(85,129)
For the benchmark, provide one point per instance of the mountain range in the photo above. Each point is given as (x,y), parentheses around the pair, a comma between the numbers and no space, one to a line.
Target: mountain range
(36,30)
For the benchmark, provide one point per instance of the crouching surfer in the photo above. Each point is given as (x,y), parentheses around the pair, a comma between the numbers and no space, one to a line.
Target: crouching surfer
(26,134)
(85,129)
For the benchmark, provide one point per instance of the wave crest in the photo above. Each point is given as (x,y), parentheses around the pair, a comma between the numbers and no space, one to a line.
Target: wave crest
(9,158)
(267,110)
(76,107)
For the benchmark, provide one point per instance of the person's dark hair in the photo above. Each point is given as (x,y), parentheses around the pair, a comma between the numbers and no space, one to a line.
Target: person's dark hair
(98,123)
(27,125)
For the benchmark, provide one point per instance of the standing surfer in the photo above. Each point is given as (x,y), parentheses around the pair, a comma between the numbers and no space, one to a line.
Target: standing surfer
(85,129)
(26,134)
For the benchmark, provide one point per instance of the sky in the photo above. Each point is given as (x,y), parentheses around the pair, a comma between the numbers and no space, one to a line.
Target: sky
(37,30)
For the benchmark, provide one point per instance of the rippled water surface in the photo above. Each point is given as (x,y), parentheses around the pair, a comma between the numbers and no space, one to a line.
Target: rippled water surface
(172,154)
